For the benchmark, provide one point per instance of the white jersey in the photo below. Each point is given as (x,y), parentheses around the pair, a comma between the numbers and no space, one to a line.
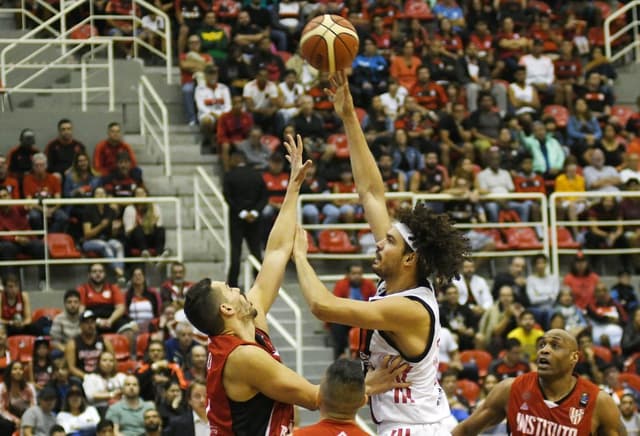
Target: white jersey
(424,402)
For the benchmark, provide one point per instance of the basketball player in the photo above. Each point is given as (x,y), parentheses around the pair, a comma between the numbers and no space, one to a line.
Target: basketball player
(552,401)
(249,391)
(403,316)
(341,395)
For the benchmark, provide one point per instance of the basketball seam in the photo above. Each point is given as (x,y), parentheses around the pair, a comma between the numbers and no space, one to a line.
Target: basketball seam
(321,31)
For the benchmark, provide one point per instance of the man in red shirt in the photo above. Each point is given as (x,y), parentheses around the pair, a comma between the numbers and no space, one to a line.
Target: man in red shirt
(512,364)
(13,219)
(105,155)
(341,395)
(428,93)
(40,184)
(550,401)
(233,127)
(7,181)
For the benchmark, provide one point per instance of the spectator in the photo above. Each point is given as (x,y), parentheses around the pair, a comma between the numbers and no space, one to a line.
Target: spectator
(510,47)
(428,93)
(460,408)
(175,287)
(170,405)
(212,100)
(167,322)
(548,155)
(570,181)
(376,123)
(448,353)
(607,236)
(315,184)
(370,73)
(455,136)
(38,419)
(542,289)
(276,181)
(83,351)
(623,292)
(123,181)
(41,185)
(6,181)
(142,302)
(629,414)
(307,75)
(606,317)
(308,123)
(178,348)
(265,58)
(5,355)
(612,146)
(77,417)
(57,430)
(61,151)
(196,364)
(192,62)
(15,308)
(156,371)
(233,128)
(105,300)
(583,131)
(194,421)
(104,386)
(13,219)
(539,68)
(630,342)
(247,34)
(568,71)
(123,27)
(473,289)
(589,365)
(262,100)
(515,278)
(355,287)
(574,320)
(406,158)
(19,157)
(66,325)
(189,15)
(41,365)
(485,123)
(473,71)
(143,226)
(246,193)
(598,96)
(60,381)
(255,149)
(499,319)
(127,414)
(349,208)
(431,179)
(523,97)
(581,280)
(105,428)
(290,91)
(16,396)
(404,67)
(527,334)
(322,104)
(393,99)
(512,364)
(80,179)
(215,41)
(106,151)
(612,384)
(102,230)
(458,318)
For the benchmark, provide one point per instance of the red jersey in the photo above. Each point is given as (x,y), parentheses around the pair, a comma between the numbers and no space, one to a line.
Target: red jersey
(529,413)
(259,415)
(276,185)
(34,187)
(329,427)
(101,303)
(10,311)
(430,96)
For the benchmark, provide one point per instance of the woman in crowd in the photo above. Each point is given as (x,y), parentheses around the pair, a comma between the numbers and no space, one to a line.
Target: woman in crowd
(104,387)
(583,131)
(60,381)
(575,322)
(41,364)
(143,226)
(170,405)
(613,148)
(79,182)
(142,302)
(77,418)
(5,356)
(15,308)
(102,230)
(16,394)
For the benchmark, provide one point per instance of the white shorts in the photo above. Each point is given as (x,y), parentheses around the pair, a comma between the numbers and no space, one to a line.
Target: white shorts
(441,428)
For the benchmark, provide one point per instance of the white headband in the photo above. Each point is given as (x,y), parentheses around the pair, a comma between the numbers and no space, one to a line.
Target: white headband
(406,234)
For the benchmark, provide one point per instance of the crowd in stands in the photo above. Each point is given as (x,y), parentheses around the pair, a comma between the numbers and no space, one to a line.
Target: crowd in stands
(110,353)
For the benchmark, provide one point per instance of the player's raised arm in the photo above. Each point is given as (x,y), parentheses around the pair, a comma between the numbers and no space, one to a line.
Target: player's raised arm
(365,170)
(491,412)
(280,242)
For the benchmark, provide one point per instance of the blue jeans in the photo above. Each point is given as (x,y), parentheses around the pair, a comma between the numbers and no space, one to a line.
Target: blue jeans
(113,249)
(58,223)
(188,91)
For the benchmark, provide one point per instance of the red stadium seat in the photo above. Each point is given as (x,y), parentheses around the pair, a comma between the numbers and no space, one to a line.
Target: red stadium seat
(481,358)
(632,380)
(565,238)
(622,113)
(418,9)
(596,36)
(603,353)
(339,141)
(335,241)
(630,363)
(142,341)
(497,238)
(120,345)
(469,390)
(559,113)
(61,246)
(127,366)
(311,244)
(522,238)
(284,55)
(354,342)
(49,312)
(21,347)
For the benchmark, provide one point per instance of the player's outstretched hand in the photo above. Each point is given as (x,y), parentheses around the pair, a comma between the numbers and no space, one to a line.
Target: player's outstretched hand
(300,243)
(340,94)
(386,376)
(295,149)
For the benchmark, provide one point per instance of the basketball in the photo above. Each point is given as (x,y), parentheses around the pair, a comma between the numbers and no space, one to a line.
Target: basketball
(329,43)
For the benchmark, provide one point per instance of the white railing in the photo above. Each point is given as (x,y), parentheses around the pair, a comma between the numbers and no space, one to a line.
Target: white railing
(66,61)
(154,120)
(294,341)
(25,13)
(48,261)
(610,39)
(214,217)
(591,195)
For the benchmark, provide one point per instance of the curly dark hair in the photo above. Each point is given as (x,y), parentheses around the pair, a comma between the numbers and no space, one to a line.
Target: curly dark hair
(441,248)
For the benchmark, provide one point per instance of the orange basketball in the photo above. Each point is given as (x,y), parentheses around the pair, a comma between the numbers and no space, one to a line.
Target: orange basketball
(329,43)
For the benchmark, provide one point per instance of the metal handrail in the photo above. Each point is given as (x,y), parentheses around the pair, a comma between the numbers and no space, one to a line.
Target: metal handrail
(634,24)
(47,262)
(219,228)
(148,114)
(294,341)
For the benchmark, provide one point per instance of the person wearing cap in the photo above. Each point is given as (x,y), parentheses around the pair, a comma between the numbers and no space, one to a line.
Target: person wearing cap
(83,351)
(76,416)
(212,100)
(37,420)
(19,157)
(106,151)
(41,185)
(123,180)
